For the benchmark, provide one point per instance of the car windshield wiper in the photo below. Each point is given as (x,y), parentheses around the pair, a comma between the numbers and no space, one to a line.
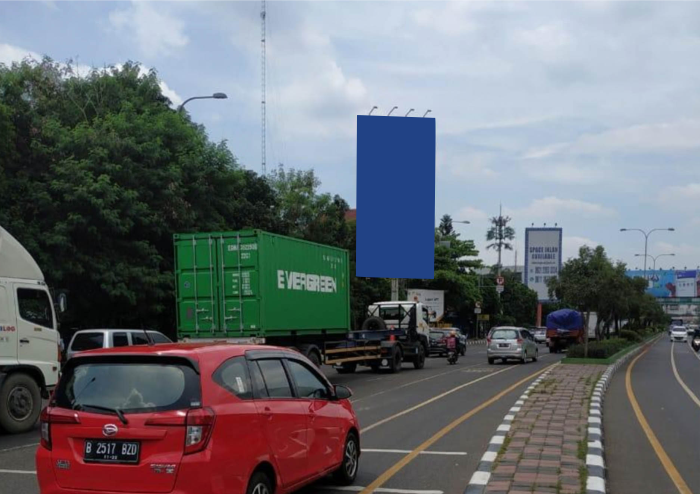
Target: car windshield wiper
(116,411)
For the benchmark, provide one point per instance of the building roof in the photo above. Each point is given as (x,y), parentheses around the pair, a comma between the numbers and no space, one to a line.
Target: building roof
(351,215)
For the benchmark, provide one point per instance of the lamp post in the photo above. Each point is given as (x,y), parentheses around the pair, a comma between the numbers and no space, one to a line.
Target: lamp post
(213,96)
(646,241)
(654,258)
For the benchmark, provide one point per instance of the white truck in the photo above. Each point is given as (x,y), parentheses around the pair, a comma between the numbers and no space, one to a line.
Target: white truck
(30,352)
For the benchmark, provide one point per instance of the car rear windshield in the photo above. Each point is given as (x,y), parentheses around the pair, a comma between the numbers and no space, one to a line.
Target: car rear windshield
(437,334)
(87,341)
(505,334)
(130,386)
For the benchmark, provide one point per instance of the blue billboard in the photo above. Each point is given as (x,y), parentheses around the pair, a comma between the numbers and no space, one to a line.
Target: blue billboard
(670,283)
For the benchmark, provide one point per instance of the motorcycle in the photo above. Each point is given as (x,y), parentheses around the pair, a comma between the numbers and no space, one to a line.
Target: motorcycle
(452,357)
(696,344)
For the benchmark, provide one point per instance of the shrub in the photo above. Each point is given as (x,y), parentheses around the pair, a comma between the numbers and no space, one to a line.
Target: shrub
(630,335)
(599,349)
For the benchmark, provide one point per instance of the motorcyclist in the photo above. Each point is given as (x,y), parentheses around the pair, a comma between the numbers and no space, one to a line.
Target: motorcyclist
(452,346)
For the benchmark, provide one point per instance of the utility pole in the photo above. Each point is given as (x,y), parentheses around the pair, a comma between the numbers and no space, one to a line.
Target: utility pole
(263,118)
(500,235)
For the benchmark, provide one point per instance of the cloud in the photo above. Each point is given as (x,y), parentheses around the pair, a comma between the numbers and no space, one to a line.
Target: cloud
(475,165)
(682,249)
(569,173)
(680,135)
(9,54)
(571,246)
(471,214)
(156,32)
(554,208)
(680,194)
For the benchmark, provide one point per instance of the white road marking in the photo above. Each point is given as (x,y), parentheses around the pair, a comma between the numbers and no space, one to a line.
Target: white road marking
(25,472)
(409,384)
(359,488)
(407,451)
(19,447)
(480,478)
(489,456)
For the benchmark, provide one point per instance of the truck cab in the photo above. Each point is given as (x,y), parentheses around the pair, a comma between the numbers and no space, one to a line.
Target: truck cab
(29,339)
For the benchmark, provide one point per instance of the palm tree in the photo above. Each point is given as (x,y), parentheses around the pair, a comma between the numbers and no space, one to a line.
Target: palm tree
(500,235)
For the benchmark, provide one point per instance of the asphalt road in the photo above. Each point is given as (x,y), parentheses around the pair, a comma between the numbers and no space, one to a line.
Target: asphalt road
(663,457)
(397,413)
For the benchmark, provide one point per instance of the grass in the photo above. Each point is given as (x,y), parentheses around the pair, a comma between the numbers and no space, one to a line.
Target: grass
(501,451)
(610,360)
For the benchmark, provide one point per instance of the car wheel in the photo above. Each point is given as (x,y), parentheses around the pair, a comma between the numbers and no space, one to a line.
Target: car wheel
(396,361)
(491,360)
(345,475)
(534,359)
(259,483)
(464,351)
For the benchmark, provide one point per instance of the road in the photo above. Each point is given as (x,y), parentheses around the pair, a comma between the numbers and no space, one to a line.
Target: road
(652,410)
(407,444)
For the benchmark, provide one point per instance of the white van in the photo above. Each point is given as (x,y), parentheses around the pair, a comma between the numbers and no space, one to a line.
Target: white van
(92,339)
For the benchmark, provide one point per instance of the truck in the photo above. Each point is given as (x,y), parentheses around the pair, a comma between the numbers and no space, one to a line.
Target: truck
(30,351)
(565,327)
(252,286)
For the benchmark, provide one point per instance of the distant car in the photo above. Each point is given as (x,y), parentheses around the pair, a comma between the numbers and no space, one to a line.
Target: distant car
(540,335)
(510,342)
(679,333)
(196,418)
(438,341)
(691,329)
(92,339)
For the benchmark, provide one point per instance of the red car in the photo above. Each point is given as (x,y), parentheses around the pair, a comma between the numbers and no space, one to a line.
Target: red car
(195,419)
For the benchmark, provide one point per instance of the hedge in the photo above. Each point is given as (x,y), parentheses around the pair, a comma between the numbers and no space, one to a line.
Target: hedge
(599,349)
(630,335)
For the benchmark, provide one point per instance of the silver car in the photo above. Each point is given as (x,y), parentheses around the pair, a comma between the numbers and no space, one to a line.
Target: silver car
(511,343)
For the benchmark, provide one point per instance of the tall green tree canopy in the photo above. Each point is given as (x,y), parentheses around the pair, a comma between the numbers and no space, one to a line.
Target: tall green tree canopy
(98,172)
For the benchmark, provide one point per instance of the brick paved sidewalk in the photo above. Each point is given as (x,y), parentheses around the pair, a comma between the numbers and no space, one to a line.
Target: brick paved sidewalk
(545,450)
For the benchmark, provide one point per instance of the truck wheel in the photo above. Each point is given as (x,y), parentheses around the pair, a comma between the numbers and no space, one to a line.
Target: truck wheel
(312,353)
(396,361)
(419,361)
(20,403)
(374,323)
(346,368)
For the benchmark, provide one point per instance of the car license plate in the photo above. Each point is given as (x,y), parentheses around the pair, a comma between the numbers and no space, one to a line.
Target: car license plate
(99,451)
(503,345)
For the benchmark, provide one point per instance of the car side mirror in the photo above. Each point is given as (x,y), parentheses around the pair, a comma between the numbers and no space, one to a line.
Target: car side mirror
(341,392)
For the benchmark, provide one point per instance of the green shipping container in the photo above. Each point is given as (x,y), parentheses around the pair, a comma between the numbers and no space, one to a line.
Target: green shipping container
(253,283)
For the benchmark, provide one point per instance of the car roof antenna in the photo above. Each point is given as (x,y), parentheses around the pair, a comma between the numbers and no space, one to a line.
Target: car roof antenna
(148,337)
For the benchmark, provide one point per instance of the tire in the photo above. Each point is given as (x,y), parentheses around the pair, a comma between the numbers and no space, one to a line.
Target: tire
(523,359)
(259,483)
(312,353)
(537,354)
(419,361)
(396,361)
(491,361)
(346,474)
(373,323)
(463,352)
(23,396)
(347,368)
(552,349)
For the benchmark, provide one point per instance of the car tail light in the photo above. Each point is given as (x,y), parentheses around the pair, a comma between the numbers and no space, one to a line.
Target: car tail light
(48,417)
(59,355)
(520,341)
(179,419)
(488,341)
(200,423)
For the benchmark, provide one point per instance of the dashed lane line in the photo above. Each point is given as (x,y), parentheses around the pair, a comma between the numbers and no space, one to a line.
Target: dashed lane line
(680,381)
(665,460)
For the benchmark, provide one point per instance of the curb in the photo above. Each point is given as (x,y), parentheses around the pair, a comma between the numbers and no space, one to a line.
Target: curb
(595,462)
(480,478)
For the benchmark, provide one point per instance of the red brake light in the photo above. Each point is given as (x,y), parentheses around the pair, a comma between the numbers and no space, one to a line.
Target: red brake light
(55,416)
(520,341)
(200,423)
(488,340)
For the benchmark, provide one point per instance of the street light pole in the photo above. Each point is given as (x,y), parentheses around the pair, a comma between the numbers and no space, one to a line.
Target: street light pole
(213,96)
(654,258)
(646,241)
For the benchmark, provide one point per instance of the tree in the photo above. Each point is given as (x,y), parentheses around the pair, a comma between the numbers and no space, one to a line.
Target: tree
(98,172)
(500,235)
(446,229)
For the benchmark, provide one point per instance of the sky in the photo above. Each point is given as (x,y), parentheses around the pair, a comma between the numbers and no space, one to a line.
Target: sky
(584,115)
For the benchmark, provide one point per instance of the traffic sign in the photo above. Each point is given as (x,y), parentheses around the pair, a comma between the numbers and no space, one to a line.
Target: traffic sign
(477,310)
(500,280)
(483,317)
(477,305)
(499,288)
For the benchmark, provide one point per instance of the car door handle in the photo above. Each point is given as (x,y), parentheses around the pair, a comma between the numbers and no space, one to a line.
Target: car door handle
(267,413)
(24,340)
